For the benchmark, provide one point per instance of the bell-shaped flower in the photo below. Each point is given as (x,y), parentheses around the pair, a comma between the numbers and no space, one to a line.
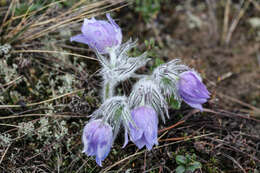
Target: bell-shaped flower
(192,90)
(97,139)
(144,132)
(100,35)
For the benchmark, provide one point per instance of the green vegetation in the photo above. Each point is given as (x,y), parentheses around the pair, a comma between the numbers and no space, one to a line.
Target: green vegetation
(187,163)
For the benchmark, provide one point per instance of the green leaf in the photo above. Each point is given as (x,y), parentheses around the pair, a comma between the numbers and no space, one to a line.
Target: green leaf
(193,166)
(180,169)
(166,81)
(118,114)
(181,160)
(157,62)
(146,42)
(174,103)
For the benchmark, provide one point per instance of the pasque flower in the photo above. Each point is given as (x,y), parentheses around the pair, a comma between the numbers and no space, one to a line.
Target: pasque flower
(148,96)
(144,132)
(97,139)
(192,90)
(100,34)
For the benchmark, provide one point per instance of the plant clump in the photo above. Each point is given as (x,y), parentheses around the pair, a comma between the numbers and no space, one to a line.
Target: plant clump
(138,112)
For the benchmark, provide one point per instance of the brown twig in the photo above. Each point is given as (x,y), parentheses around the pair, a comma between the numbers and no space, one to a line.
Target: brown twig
(172,126)
(176,139)
(144,161)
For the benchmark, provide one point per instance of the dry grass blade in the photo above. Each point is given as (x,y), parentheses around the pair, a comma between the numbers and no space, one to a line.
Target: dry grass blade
(236,21)
(39,115)
(226,20)
(6,15)
(239,102)
(42,102)
(11,82)
(49,51)
(230,114)
(233,160)
(34,12)
(20,27)
(32,26)
(65,19)
(2,158)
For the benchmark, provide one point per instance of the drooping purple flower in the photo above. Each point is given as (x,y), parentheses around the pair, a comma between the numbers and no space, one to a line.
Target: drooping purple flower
(100,34)
(144,132)
(97,139)
(192,90)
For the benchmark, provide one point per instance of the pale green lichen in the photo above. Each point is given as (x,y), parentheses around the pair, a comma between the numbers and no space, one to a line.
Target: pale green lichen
(44,129)
(61,130)
(5,139)
(8,73)
(26,128)
(15,96)
(50,109)
(68,81)
(5,49)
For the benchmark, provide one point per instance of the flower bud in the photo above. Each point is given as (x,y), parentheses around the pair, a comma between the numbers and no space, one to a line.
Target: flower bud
(145,132)
(97,139)
(192,90)
(100,34)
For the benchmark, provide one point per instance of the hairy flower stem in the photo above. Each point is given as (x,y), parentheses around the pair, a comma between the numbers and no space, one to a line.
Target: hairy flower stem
(112,55)
(109,86)
(139,76)
(108,90)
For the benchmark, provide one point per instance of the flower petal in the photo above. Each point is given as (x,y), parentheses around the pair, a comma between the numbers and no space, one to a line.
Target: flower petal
(100,35)
(140,143)
(195,105)
(80,38)
(146,121)
(99,161)
(135,134)
(112,21)
(97,139)
(192,90)
(126,138)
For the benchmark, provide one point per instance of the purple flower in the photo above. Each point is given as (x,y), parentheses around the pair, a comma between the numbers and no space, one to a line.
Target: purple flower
(100,34)
(145,132)
(192,90)
(97,139)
